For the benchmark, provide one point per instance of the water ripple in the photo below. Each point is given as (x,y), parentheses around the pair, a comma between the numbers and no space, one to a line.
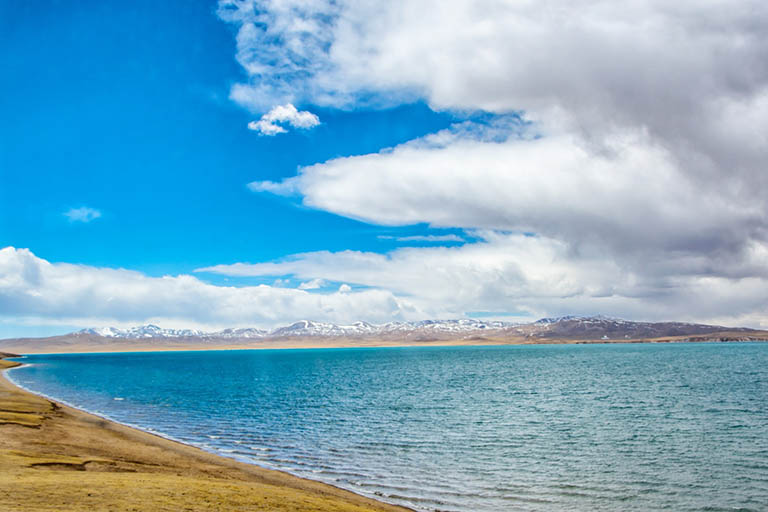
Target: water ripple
(609,427)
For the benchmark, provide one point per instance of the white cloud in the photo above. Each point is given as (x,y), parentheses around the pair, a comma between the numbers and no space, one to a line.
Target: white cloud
(650,119)
(35,290)
(284,188)
(424,238)
(634,198)
(270,123)
(640,165)
(528,275)
(536,276)
(312,284)
(82,214)
(279,43)
(635,59)
(690,78)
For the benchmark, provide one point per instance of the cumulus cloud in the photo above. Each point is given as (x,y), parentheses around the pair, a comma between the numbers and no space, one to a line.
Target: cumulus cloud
(690,77)
(531,276)
(82,214)
(536,276)
(627,233)
(634,198)
(35,290)
(639,58)
(642,138)
(271,122)
(631,139)
(312,284)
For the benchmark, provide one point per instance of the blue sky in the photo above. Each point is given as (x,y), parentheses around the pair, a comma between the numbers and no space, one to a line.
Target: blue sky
(502,167)
(131,117)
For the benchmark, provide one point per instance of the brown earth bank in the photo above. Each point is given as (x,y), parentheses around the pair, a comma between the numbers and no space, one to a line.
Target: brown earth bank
(89,344)
(53,457)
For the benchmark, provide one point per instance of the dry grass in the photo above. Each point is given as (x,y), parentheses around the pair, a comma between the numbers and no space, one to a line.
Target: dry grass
(57,458)
(84,344)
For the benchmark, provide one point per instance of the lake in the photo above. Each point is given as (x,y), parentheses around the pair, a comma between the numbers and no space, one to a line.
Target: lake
(549,427)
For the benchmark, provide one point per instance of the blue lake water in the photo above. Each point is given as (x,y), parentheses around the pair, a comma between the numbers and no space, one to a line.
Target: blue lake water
(556,427)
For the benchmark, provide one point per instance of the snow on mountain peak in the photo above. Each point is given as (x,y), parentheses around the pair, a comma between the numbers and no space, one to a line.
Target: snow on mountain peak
(303,328)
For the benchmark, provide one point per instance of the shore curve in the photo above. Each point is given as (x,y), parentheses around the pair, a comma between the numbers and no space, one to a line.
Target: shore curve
(56,457)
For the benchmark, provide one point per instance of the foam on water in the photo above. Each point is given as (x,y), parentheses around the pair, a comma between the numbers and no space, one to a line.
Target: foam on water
(572,427)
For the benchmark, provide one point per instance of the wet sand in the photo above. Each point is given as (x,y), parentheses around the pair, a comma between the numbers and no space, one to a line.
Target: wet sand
(54,457)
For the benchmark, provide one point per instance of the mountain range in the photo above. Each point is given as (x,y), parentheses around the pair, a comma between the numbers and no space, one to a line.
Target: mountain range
(304,328)
(307,333)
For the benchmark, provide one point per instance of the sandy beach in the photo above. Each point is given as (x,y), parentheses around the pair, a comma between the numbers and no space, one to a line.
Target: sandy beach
(54,457)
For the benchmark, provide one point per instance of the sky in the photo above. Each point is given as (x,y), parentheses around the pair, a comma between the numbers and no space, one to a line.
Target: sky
(255,163)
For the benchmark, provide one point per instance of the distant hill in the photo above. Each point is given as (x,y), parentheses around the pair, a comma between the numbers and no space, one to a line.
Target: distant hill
(600,327)
(567,329)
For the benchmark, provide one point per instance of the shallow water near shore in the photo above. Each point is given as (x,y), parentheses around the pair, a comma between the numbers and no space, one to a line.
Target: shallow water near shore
(553,427)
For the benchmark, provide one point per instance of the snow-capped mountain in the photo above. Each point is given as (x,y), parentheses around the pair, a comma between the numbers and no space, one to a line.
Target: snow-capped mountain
(143,331)
(306,328)
(246,332)
(584,319)
(565,327)
(463,325)
(310,328)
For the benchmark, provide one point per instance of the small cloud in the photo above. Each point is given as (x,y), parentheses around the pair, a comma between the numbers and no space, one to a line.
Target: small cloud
(345,288)
(282,188)
(82,214)
(270,123)
(314,284)
(424,238)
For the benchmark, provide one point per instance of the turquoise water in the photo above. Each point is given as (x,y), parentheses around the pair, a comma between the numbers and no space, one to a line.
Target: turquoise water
(569,427)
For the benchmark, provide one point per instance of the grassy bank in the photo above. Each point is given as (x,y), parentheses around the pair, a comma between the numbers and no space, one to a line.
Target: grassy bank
(53,457)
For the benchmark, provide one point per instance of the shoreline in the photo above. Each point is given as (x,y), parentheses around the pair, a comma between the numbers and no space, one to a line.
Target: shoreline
(32,346)
(56,457)
(5,373)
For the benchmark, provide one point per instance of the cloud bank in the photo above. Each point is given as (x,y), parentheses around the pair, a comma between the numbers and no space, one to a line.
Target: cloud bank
(524,276)
(640,150)
(689,79)
(535,276)
(34,290)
